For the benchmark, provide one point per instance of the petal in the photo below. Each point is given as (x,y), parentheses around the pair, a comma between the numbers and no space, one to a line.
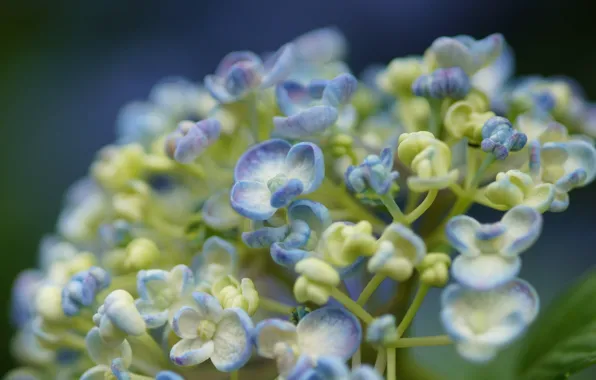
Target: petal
(168,375)
(189,352)
(272,331)
(96,373)
(279,66)
(264,237)
(332,368)
(218,212)
(476,352)
(329,332)
(486,271)
(523,226)
(561,201)
(252,200)
(301,368)
(461,233)
(232,340)
(339,90)
(287,257)
(103,354)
(152,316)
(292,97)
(582,155)
(406,242)
(151,282)
(306,122)
(287,193)
(450,52)
(208,306)
(365,372)
(305,162)
(321,45)
(263,161)
(541,197)
(216,88)
(316,215)
(185,322)
(181,278)
(216,253)
(189,147)
(299,235)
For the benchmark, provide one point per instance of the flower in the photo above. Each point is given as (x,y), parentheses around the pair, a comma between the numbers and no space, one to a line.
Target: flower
(434,269)
(466,119)
(489,253)
(343,243)
(217,259)
(313,108)
(514,188)
(271,174)
(24,289)
(429,159)
(492,79)
(159,290)
(382,330)
(316,281)
(400,74)
(168,375)
(241,72)
(374,173)
(325,332)
(331,368)
(110,360)
(209,332)
(217,212)
(118,317)
(443,83)
(399,251)
(499,137)
(466,52)
(232,293)
(481,323)
(82,289)
(191,139)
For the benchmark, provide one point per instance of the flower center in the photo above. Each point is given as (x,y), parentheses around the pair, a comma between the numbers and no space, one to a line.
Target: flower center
(276,182)
(479,322)
(206,329)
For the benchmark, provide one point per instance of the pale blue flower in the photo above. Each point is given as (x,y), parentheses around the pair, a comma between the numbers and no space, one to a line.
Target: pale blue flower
(270,175)
(209,332)
(330,368)
(481,323)
(292,242)
(313,108)
(82,289)
(499,137)
(217,212)
(118,317)
(325,332)
(159,290)
(375,173)
(490,252)
(242,72)
(217,259)
(450,82)
(191,139)
(109,359)
(24,289)
(466,52)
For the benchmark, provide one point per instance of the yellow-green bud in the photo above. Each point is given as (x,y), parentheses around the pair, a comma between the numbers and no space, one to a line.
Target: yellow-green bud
(515,187)
(48,303)
(414,113)
(61,271)
(116,166)
(462,120)
(397,79)
(341,244)
(141,253)
(316,282)
(232,293)
(434,269)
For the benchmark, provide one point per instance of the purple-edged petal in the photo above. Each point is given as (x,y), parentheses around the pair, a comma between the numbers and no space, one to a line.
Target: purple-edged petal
(329,332)
(306,122)
(305,162)
(232,340)
(270,332)
(264,237)
(461,233)
(185,322)
(234,58)
(523,225)
(208,306)
(153,316)
(279,66)
(189,352)
(287,257)
(286,193)
(316,215)
(218,213)
(263,161)
(189,147)
(331,368)
(252,200)
(217,89)
(168,375)
(485,271)
(339,90)
(292,97)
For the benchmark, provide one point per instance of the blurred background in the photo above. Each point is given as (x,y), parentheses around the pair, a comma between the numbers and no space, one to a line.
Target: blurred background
(66,67)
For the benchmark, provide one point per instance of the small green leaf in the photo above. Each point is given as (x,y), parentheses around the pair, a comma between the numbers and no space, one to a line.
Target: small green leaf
(562,341)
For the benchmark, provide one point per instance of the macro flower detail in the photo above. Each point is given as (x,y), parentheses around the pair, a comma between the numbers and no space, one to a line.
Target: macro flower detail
(312,108)
(232,293)
(375,173)
(399,251)
(541,127)
(241,72)
(159,290)
(434,269)
(465,52)
(118,317)
(489,253)
(112,361)
(568,165)
(316,281)
(428,158)
(481,323)
(382,330)
(325,332)
(118,165)
(270,175)
(514,188)
(218,213)
(443,83)
(342,243)
(217,259)
(140,253)
(210,332)
(82,289)
(331,368)
(499,138)
(191,139)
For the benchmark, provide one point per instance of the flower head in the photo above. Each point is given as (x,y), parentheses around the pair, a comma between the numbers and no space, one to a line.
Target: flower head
(376,173)
(490,252)
(481,323)
(272,174)
(191,139)
(465,52)
(331,368)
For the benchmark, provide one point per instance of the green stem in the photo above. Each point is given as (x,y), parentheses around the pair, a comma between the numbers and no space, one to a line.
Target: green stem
(381,361)
(251,103)
(434,118)
(421,209)
(413,309)
(73,341)
(488,160)
(370,288)
(275,306)
(392,207)
(412,201)
(234,375)
(150,346)
(427,341)
(352,306)
(391,364)
(357,358)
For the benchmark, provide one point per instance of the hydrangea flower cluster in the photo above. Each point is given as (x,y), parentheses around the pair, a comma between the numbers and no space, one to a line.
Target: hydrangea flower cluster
(281,213)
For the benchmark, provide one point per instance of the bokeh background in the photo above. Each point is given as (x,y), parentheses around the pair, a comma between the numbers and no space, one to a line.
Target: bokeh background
(66,67)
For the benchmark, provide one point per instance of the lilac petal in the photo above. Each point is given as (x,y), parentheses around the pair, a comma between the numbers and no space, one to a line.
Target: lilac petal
(299,235)
(216,88)
(332,368)
(291,97)
(168,375)
(461,233)
(189,352)
(252,200)
(340,89)
(329,332)
(232,340)
(305,162)
(321,45)
(264,237)
(279,66)
(314,214)
(485,271)
(269,332)
(287,257)
(189,147)
(306,122)
(386,157)
(210,127)
(523,226)
(234,58)
(262,161)
(287,193)
(242,77)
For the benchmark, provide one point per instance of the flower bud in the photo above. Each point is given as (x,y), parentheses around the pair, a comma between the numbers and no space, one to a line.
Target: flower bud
(341,244)
(231,293)
(316,282)
(382,330)
(443,83)
(118,317)
(397,79)
(116,166)
(462,119)
(499,137)
(434,269)
(49,303)
(141,253)
(82,289)
(515,187)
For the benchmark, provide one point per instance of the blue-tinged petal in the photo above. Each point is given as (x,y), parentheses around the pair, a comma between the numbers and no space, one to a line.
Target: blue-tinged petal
(292,97)
(218,213)
(152,316)
(339,90)
(252,200)
(365,372)
(103,354)
(233,58)
(386,157)
(302,368)
(305,162)
(485,271)
(207,306)
(151,282)
(242,77)
(186,322)
(299,235)
(181,278)
(190,146)
(270,332)
(286,193)
(560,202)
(95,373)
(465,52)
(331,368)
(329,332)
(306,122)
(168,375)
(263,161)
(217,254)
(523,226)
(232,340)
(321,45)
(120,369)
(217,89)
(461,233)
(286,257)
(190,352)
(493,77)
(264,237)
(279,66)
(23,293)
(315,214)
